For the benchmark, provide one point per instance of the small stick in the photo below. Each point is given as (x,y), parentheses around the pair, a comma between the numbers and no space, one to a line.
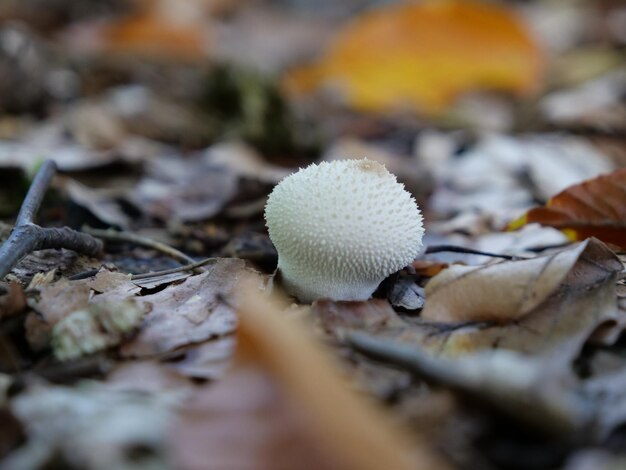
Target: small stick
(469,251)
(115,236)
(187,267)
(27,237)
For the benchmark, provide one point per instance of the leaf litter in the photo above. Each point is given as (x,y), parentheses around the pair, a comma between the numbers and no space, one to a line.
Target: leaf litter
(174,123)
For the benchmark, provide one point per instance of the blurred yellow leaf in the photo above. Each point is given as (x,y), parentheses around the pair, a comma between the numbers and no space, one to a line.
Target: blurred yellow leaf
(424,55)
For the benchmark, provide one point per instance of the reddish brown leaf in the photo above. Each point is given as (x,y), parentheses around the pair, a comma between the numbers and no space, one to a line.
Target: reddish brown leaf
(594,208)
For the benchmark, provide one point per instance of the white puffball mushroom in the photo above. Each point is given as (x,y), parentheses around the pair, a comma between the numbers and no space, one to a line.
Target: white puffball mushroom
(340,228)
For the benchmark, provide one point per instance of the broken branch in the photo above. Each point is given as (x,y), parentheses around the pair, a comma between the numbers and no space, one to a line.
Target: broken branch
(27,237)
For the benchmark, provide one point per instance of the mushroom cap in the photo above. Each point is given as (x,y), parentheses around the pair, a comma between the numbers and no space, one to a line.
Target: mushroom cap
(340,228)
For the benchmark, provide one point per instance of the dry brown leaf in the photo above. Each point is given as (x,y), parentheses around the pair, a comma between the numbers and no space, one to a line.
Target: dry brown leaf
(95,328)
(499,292)
(185,190)
(146,377)
(371,315)
(62,262)
(112,286)
(244,421)
(424,54)
(535,321)
(208,360)
(594,208)
(12,301)
(64,298)
(284,405)
(91,426)
(340,421)
(190,312)
(58,300)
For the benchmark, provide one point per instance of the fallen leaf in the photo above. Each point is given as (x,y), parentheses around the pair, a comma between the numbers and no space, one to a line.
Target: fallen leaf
(184,190)
(12,300)
(51,140)
(209,360)
(11,432)
(54,263)
(95,328)
(245,421)
(101,203)
(111,286)
(428,268)
(371,315)
(285,405)
(552,317)
(424,55)
(498,292)
(187,313)
(580,105)
(147,377)
(485,177)
(58,300)
(157,30)
(406,294)
(594,208)
(245,162)
(94,426)
(274,38)
(607,391)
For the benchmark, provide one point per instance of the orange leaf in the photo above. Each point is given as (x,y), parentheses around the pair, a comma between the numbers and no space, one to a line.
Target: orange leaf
(148,34)
(161,30)
(594,208)
(425,54)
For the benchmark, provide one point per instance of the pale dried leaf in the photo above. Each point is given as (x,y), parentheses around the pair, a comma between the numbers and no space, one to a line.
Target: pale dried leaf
(97,327)
(555,328)
(187,313)
(503,291)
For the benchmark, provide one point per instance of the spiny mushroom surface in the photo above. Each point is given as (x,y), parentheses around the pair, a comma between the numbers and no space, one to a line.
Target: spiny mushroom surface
(340,228)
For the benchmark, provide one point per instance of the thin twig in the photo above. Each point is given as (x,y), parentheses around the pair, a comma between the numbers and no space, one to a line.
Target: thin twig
(116,236)
(27,237)
(36,192)
(187,267)
(461,249)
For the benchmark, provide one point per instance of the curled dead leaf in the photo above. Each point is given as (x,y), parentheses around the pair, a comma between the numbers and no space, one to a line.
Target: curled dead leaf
(594,208)
(531,312)
(508,290)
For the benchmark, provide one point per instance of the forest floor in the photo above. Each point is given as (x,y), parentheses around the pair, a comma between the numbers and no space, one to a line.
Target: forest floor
(141,140)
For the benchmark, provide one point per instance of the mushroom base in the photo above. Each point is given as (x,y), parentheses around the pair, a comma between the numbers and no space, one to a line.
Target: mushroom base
(310,287)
